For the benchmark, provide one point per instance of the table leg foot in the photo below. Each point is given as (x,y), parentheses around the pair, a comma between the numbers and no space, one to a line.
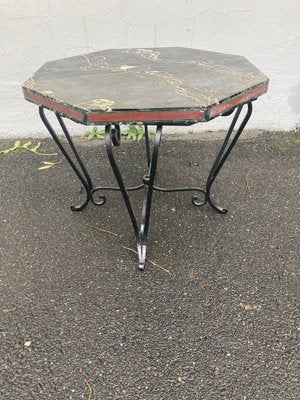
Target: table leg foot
(82,206)
(216,208)
(142,249)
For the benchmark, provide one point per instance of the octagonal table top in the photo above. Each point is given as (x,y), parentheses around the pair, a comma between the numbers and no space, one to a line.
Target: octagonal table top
(150,85)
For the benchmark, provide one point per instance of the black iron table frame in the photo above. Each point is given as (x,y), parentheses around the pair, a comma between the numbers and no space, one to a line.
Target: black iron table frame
(113,138)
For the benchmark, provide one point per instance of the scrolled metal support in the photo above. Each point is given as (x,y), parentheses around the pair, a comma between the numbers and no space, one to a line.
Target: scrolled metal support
(223,154)
(81,173)
(141,233)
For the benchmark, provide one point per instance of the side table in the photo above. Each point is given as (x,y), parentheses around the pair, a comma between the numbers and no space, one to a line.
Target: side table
(151,86)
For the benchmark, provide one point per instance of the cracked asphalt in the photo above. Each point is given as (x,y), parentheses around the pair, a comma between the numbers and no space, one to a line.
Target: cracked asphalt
(79,321)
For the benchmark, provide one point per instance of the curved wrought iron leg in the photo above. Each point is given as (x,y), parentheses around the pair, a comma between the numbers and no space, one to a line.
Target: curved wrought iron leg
(147,145)
(70,141)
(84,176)
(148,182)
(109,140)
(222,156)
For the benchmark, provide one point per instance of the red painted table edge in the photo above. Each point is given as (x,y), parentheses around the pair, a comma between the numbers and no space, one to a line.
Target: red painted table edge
(196,115)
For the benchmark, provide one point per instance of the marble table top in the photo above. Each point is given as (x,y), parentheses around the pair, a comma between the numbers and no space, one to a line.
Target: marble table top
(167,84)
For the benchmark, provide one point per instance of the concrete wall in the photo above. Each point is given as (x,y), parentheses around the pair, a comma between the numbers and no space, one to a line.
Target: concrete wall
(267,32)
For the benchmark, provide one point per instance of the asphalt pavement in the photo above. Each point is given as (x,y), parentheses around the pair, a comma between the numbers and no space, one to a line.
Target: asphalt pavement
(215,316)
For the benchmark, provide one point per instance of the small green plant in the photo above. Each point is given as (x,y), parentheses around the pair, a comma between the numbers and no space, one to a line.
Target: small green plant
(296,132)
(95,133)
(134,132)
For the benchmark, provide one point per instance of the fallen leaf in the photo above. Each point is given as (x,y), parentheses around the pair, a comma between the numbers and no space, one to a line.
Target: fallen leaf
(26,145)
(250,306)
(36,147)
(48,164)
(15,146)
(44,167)
(5,151)
(8,309)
